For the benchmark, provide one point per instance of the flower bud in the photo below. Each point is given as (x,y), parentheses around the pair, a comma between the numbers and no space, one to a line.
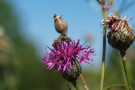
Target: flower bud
(60,25)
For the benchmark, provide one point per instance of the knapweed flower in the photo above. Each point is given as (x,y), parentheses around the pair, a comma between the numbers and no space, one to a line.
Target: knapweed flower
(62,56)
(120,34)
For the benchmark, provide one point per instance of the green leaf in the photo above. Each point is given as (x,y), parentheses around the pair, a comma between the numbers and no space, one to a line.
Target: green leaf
(117,85)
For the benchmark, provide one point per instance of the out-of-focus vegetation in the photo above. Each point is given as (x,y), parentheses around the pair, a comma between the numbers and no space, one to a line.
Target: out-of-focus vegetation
(21,69)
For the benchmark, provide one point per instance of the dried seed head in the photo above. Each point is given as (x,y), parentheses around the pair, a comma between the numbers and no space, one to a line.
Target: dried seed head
(60,25)
(120,34)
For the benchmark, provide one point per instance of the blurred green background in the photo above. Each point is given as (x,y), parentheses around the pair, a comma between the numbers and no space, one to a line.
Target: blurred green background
(21,69)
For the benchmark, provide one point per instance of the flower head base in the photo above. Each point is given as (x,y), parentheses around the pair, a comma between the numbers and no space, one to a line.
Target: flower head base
(120,34)
(63,54)
(73,72)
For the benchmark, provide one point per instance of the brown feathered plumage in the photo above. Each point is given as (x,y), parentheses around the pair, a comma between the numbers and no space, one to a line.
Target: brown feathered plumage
(60,25)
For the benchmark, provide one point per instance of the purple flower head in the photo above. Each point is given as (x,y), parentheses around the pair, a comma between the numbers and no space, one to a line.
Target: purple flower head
(61,56)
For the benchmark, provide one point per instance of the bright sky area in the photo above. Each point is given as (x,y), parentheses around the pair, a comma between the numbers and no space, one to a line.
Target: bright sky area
(37,21)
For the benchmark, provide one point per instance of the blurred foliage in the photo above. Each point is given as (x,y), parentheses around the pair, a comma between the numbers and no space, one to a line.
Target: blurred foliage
(21,69)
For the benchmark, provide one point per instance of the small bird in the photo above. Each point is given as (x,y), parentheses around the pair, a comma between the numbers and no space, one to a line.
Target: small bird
(60,25)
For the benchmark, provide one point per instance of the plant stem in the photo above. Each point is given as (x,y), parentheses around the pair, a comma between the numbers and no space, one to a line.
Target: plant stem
(123,57)
(85,85)
(104,51)
(75,85)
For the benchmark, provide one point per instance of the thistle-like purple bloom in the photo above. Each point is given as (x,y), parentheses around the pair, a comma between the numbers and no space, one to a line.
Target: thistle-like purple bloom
(62,55)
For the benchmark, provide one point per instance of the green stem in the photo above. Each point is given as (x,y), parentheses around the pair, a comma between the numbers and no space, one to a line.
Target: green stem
(104,51)
(123,57)
(75,85)
(85,85)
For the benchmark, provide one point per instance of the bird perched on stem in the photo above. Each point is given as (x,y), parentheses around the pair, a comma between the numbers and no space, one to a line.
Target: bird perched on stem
(60,25)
